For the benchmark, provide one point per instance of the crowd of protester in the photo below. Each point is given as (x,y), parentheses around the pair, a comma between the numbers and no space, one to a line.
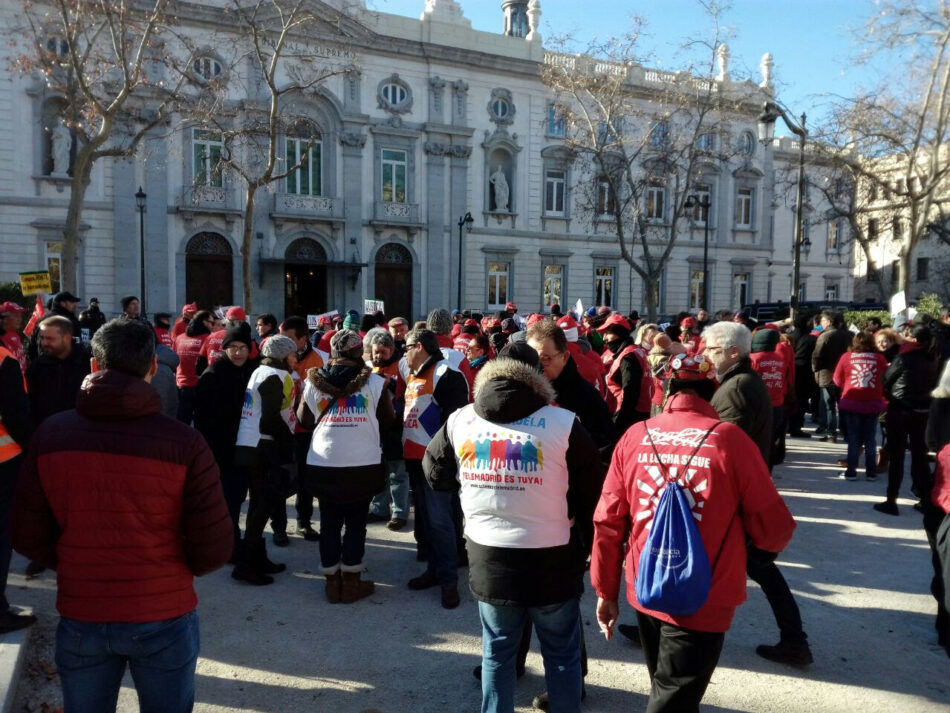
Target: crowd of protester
(514,443)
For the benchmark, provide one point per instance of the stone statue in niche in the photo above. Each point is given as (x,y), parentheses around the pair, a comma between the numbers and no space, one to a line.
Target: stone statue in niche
(500,185)
(62,142)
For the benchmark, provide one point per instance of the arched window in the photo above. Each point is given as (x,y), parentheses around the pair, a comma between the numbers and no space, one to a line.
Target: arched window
(206,68)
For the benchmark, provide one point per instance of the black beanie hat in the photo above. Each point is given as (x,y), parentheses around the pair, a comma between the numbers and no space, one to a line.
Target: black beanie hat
(238,333)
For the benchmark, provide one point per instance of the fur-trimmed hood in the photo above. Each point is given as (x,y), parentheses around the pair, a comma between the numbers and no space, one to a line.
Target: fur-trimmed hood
(508,390)
(339,381)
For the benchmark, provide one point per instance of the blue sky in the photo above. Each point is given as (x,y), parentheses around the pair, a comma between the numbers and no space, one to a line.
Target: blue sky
(810,40)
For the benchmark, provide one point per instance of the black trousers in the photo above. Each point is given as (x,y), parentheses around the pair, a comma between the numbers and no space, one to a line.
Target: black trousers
(681,663)
(267,485)
(775,588)
(304,502)
(903,426)
(9,474)
(234,484)
(806,396)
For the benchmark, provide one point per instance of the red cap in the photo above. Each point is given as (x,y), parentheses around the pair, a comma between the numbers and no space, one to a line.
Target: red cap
(191,307)
(8,307)
(688,323)
(534,319)
(237,313)
(567,322)
(615,320)
(323,321)
(511,306)
(603,309)
(689,368)
(493,323)
(470,323)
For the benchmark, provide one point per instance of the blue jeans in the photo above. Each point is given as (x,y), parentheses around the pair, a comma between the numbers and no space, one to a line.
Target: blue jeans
(558,629)
(161,655)
(828,410)
(395,498)
(861,431)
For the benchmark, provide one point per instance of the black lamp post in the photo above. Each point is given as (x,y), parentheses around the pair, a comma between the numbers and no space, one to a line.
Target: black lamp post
(693,201)
(465,220)
(140,206)
(770,113)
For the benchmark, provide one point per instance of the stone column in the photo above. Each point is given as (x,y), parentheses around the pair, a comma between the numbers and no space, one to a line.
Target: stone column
(341,293)
(458,190)
(440,269)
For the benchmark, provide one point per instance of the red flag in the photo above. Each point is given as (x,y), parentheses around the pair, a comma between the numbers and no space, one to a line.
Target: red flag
(38,312)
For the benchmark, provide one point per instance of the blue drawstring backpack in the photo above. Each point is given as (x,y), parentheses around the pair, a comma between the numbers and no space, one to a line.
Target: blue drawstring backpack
(674,575)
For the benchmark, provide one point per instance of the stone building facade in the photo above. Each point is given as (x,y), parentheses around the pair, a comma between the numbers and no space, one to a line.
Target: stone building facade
(436,121)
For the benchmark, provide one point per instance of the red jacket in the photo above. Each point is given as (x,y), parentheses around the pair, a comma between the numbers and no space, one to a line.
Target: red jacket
(589,365)
(734,496)
(124,502)
(773,369)
(188,348)
(940,495)
(860,376)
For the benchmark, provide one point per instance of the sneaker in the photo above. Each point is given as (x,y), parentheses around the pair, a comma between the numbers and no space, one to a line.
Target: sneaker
(280,539)
(847,476)
(308,533)
(793,653)
(828,438)
(34,569)
(631,632)
(396,524)
(871,477)
(887,507)
(10,621)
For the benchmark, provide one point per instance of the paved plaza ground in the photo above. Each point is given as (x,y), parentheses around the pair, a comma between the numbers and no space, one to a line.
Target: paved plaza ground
(861,579)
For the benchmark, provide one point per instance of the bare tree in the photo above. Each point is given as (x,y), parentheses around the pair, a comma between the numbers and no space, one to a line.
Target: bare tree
(117,67)
(276,39)
(892,141)
(642,139)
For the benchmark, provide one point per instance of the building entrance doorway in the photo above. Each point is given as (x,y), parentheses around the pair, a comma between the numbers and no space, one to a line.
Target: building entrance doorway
(393,282)
(305,278)
(209,271)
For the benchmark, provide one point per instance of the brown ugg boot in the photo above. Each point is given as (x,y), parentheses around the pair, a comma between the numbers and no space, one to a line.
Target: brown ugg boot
(334,587)
(354,588)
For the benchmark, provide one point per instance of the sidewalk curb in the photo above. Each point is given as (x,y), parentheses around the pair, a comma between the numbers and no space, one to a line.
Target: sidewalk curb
(13,650)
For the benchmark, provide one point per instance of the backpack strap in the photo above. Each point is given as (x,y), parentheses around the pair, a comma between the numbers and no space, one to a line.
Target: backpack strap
(699,445)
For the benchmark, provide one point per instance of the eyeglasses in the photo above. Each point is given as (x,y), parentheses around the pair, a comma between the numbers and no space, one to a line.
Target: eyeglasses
(411,346)
(714,349)
(236,348)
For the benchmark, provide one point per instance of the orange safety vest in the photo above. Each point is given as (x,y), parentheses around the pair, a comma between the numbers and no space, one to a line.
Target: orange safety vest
(8,447)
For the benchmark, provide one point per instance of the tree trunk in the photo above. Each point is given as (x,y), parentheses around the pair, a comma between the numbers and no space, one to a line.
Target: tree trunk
(650,285)
(82,169)
(903,282)
(246,248)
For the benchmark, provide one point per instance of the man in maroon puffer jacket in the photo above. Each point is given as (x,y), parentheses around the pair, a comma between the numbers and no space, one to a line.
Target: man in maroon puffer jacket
(126,504)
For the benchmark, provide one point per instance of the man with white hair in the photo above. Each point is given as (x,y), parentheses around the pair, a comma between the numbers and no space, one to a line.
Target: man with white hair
(743,399)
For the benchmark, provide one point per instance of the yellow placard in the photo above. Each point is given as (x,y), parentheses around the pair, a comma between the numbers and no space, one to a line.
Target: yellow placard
(33,282)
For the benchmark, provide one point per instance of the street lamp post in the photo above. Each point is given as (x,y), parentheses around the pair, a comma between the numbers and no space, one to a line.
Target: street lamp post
(465,220)
(693,201)
(771,112)
(140,206)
